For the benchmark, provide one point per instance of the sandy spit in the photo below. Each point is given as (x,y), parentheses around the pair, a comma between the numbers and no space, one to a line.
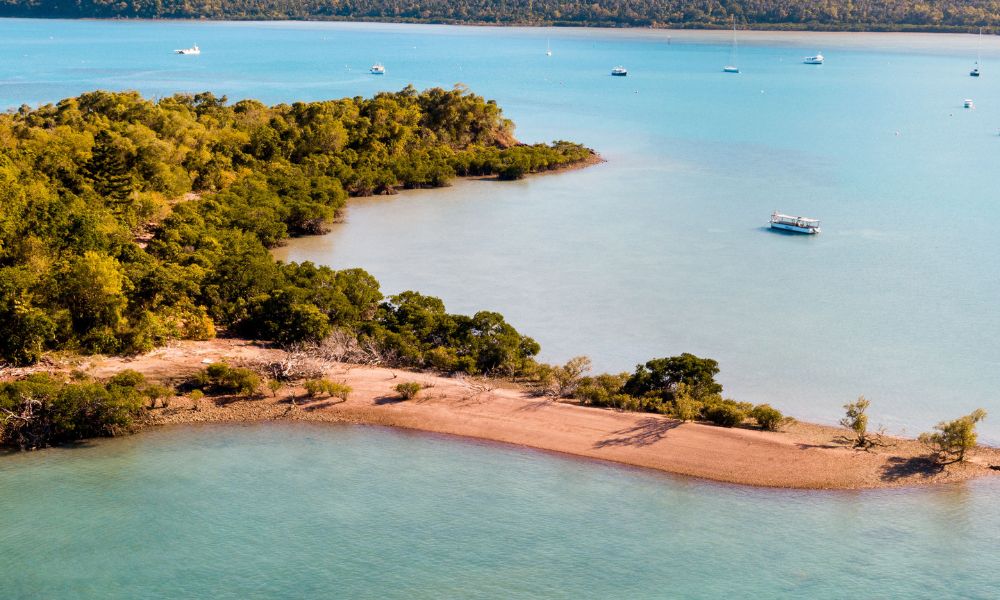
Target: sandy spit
(801,456)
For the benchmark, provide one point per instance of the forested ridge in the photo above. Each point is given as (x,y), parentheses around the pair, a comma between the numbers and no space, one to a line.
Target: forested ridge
(917,15)
(126,222)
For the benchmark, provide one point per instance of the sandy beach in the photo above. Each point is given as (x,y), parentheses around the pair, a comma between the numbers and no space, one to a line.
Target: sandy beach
(802,455)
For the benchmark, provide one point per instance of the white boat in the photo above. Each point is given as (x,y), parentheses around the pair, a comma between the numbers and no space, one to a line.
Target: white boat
(548,48)
(968,103)
(731,67)
(979,55)
(813,60)
(619,71)
(796,224)
(377,69)
(192,50)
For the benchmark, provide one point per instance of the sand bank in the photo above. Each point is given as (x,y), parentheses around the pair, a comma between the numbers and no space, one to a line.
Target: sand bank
(801,456)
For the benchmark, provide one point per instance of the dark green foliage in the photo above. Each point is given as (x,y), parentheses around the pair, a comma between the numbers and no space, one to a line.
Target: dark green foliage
(661,376)
(416,330)
(220,378)
(108,169)
(682,387)
(40,411)
(784,14)
(127,222)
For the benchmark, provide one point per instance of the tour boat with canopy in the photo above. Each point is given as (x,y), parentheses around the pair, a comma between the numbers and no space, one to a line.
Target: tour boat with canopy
(796,224)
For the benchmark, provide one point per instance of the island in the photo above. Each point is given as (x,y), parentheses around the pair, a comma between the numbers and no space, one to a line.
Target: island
(137,288)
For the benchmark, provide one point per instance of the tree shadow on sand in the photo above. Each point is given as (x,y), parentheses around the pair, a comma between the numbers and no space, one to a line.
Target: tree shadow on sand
(647,431)
(899,467)
(322,404)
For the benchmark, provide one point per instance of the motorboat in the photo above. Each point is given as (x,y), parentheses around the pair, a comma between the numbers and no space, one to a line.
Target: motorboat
(794,224)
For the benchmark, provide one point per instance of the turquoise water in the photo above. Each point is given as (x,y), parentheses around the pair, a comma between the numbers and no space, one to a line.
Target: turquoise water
(301,511)
(662,249)
(659,250)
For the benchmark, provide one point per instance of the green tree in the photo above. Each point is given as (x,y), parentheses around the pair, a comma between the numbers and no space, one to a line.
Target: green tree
(954,439)
(856,419)
(109,170)
(661,376)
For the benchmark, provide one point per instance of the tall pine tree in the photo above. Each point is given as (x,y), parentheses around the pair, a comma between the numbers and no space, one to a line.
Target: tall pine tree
(109,171)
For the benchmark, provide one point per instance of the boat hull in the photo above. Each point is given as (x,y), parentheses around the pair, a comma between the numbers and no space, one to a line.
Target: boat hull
(730,69)
(619,74)
(795,228)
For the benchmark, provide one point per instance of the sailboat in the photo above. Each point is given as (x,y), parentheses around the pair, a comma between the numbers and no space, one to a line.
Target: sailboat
(975,70)
(548,48)
(731,67)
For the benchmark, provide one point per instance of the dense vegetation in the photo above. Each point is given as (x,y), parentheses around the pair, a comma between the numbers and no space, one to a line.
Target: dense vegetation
(41,410)
(127,222)
(925,15)
(682,387)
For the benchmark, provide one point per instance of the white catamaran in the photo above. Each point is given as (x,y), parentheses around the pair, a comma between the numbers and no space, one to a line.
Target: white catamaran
(796,224)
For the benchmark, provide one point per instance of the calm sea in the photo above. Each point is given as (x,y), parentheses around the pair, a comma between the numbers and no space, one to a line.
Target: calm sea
(660,250)
(305,511)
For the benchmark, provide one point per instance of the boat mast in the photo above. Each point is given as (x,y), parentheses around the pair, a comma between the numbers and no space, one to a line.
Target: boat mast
(732,58)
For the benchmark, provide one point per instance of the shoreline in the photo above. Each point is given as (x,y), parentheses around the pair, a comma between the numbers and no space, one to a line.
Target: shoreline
(801,456)
(724,27)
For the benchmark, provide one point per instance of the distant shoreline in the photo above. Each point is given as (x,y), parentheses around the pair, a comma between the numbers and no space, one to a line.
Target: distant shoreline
(801,456)
(675,26)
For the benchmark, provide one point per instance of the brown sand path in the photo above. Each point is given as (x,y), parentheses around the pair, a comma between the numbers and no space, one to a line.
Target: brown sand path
(802,456)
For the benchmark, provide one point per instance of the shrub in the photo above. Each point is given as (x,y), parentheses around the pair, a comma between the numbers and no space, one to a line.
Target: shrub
(274,385)
(220,378)
(953,439)
(315,387)
(158,392)
(767,417)
(566,378)
(408,390)
(601,390)
(726,413)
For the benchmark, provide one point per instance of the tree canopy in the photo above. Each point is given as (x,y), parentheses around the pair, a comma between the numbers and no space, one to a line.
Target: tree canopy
(126,222)
(918,15)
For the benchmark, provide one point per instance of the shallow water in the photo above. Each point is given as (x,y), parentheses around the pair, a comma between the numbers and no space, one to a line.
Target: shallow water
(662,249)
(293,511)
(658,251)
